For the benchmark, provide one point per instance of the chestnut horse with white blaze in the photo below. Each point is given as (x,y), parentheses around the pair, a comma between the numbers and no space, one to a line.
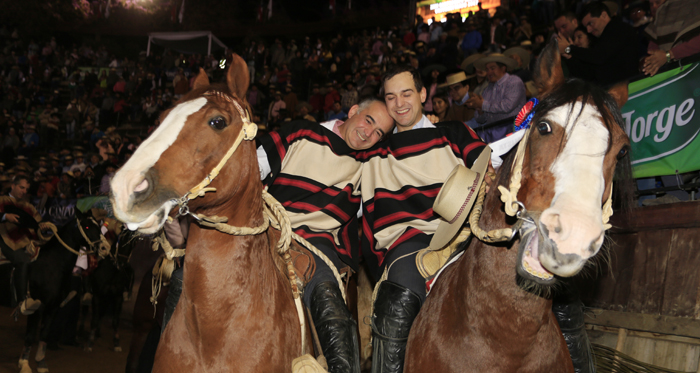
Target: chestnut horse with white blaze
(490,311)
(236,312)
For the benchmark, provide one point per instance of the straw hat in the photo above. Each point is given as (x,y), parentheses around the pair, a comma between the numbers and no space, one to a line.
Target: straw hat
(455,78)
(524,55)
(496,57)
(468,63)
(456,198)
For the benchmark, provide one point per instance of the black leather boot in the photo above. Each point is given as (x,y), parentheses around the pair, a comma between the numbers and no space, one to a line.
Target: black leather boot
(394,311)
(568,310)
(337,331)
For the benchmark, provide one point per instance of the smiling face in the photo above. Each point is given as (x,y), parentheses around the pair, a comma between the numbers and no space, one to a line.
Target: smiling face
(439,105)
(364,129)
(404,102)
(494,72)
(581,39)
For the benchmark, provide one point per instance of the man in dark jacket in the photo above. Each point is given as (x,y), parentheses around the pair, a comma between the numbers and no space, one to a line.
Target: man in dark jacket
(614,57)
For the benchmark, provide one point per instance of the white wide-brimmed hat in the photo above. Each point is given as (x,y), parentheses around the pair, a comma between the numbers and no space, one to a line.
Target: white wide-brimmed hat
(496,57)
(455,78)
(456,198)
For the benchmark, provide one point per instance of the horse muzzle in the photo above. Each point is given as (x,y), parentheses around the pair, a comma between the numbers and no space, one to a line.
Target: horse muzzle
(558,245)
(140,201)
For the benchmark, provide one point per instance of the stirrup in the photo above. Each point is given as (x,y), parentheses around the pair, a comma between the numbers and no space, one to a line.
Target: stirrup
(29,306)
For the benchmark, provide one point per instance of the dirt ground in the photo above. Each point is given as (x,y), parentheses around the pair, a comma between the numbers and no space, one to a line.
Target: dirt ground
(69,359)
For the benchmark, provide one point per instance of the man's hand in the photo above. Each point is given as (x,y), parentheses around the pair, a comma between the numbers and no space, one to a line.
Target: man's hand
(563,43)
(653,62)
(475,102)
(13,218)
(432,118)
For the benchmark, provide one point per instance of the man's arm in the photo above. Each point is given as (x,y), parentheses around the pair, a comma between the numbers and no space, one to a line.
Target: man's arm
(602,51)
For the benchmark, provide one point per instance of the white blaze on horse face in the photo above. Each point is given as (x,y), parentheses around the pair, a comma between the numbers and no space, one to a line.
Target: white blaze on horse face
(131,176)
(574,219)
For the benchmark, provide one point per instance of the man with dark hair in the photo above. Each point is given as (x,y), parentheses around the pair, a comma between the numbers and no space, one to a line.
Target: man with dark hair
(17,230)
(615,55)
(566,23)
(400,180)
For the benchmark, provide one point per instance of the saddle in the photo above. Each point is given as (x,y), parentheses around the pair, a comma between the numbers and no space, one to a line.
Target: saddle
(303,262)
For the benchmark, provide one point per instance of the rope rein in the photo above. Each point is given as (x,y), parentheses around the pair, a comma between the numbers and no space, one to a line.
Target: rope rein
(102,249)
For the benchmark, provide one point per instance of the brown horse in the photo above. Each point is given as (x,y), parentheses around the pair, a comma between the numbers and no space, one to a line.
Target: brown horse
(236,312)
(491,310)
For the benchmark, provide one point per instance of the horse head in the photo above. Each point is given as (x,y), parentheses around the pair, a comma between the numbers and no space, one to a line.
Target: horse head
(90,231)
(186,152)
(569,158)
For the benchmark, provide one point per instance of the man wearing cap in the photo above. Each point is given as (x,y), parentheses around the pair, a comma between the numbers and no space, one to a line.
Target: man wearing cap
(16,238)
(400,180)
(458,88)
(502,98)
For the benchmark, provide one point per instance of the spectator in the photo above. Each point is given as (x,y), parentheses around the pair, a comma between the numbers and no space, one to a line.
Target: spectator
(673,34)
(350,97)
(457,86)
(290,100)
(614,57)
(331,97)
(472,39)
(441,105)
(336,112)
(502,98)
(275,107)
(566,23)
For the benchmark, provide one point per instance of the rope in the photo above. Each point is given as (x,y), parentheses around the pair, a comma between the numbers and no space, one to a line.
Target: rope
(162,271)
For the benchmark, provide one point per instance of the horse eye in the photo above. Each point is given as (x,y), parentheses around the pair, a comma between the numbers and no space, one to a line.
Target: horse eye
(623,152)
(217,122)
(544,128)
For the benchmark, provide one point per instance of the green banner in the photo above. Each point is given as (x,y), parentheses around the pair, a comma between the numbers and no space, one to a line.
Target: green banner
(661,122)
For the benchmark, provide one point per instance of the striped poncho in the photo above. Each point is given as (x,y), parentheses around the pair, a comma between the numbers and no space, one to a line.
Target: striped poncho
(400,180)
(315,175)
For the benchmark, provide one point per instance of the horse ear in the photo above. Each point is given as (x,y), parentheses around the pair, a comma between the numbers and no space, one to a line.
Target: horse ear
(620,93)
(202,80)
(238,77)
(548,74)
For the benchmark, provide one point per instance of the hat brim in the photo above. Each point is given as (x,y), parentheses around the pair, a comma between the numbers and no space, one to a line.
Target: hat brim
(467,194)
(446,84)
(522,53)
(509,62)
(468,63)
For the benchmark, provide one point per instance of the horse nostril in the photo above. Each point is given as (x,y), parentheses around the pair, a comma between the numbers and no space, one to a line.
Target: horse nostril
(142,186)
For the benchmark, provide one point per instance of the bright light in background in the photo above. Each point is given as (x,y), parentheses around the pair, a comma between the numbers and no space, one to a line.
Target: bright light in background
(222,64)
(430,21)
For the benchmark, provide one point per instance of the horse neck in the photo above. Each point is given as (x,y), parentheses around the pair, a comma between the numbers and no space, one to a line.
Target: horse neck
(495,268)
(228,268)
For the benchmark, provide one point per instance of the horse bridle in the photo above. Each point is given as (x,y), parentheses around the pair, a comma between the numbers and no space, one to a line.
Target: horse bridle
(248,132)
(513,207)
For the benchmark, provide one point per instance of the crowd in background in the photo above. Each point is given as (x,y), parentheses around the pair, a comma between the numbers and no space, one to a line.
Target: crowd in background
(72,113)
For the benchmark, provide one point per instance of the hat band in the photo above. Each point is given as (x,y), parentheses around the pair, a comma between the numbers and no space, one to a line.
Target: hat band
(466,200)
